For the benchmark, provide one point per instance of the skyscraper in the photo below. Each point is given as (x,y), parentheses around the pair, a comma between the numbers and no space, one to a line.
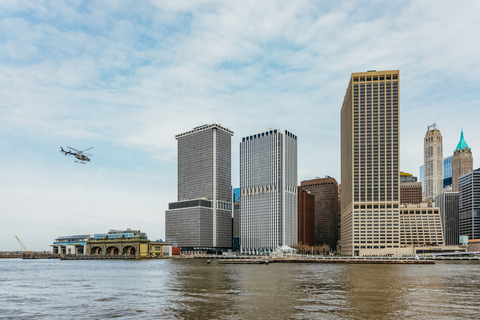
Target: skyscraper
(370,164)
(201,219)
(469,203)
(268,190)
(325,191)
(462,162)
(433,162)
(449,210)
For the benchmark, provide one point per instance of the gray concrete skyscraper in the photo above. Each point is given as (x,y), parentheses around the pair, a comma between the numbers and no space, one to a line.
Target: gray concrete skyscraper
(268,190)
(370,164)
(200,220)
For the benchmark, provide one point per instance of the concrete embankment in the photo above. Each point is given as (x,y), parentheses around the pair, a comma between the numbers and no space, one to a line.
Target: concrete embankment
(349,261)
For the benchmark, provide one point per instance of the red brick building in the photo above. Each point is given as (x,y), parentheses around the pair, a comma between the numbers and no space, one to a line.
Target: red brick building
(306,217)
(327,210)
(410,192)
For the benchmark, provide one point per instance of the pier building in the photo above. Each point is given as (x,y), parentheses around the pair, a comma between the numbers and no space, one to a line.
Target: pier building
(75,244)
(119,242)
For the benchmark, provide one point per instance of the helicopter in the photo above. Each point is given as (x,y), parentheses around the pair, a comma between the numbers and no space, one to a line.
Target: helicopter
(78,154)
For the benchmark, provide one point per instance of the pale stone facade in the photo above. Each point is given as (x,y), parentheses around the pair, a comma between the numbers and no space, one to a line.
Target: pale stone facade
(433,162)
(370,164)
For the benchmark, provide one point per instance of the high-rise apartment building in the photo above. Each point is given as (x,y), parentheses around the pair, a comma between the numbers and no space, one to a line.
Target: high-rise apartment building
(433,162)
(469,203)
(201,219)
(268,191)
(306,217)
(370,164)
(449,211)
(462,162)
(325,191)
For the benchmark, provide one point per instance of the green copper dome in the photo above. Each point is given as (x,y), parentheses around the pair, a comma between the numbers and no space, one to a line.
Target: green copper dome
(462,144)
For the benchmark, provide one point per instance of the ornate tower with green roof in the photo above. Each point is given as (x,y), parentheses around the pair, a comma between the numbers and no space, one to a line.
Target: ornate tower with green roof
(462,162)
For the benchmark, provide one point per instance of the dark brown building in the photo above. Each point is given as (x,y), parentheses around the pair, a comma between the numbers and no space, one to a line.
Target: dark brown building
(410,192)
(306,217)
(326,210)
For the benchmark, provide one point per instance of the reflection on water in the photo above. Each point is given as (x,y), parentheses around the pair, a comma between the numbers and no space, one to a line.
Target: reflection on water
(193,289)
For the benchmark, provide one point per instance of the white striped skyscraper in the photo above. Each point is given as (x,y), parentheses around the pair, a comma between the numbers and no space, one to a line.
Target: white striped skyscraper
(268,186)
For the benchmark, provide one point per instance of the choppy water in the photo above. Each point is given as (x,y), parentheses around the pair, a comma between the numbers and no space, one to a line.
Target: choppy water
(193,289)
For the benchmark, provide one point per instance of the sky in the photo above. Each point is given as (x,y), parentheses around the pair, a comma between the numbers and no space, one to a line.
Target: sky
(125,77)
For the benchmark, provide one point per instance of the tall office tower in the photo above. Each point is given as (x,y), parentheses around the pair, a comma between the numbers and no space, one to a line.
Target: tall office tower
(201,219)
(370,164)
(325,191)
(306,217)
(268,191)
(447,172)
(462,162)
(448,204)
(469,204)
(433,162)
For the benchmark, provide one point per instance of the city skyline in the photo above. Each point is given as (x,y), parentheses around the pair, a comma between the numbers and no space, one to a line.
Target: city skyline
(126,78)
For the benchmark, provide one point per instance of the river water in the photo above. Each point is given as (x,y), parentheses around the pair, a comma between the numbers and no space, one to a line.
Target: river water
(193,289)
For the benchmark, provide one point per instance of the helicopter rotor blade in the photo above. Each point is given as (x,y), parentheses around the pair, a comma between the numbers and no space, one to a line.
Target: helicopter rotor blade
(87,149)
(88,154)
(72,148)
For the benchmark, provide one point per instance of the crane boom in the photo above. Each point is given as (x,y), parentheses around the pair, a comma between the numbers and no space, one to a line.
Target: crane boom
(22,245)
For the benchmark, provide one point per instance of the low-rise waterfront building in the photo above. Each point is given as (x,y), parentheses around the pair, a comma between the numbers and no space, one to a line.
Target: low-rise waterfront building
(119,242)
(75,244)
(156,248)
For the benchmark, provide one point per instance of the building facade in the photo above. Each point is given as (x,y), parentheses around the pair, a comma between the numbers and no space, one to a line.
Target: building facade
(370,164)
(306,217)
(433,162)
(410,192)
(201,218)
(268,191)
(119,242)
(327,210)
(75,244)
(448,202)
(447,172)
(420,225)
(462,162)
(469,204)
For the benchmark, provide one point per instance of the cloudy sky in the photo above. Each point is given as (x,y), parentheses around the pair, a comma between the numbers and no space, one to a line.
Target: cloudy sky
(125,76)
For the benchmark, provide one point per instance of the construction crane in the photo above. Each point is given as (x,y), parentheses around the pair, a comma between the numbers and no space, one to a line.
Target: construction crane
(28,252)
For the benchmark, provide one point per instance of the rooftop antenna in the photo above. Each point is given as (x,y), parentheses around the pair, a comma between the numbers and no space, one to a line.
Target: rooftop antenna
(433,126)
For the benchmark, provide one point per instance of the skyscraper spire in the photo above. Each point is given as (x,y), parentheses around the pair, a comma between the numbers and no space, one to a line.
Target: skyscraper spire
(462,144)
